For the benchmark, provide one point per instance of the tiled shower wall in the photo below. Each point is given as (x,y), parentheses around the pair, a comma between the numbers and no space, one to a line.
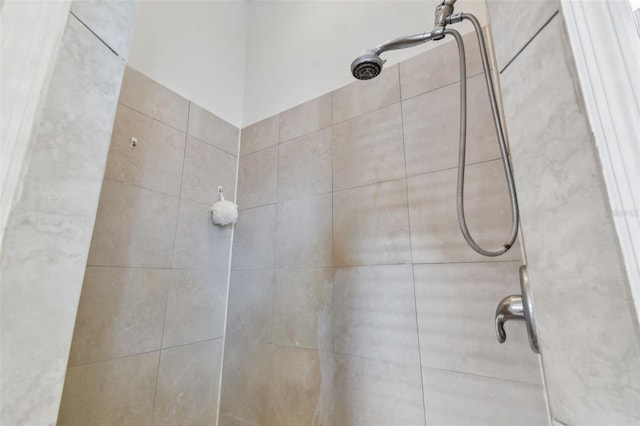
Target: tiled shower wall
(147,344)
(586,320)
(353,297)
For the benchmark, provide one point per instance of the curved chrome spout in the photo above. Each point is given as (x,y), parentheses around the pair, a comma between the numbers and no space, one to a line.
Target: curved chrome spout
(509,308)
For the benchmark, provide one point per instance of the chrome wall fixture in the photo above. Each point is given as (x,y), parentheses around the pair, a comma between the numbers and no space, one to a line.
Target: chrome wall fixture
(518,307)
(369,65)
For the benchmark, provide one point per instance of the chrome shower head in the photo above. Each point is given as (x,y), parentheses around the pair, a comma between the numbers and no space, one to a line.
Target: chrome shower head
(367,66)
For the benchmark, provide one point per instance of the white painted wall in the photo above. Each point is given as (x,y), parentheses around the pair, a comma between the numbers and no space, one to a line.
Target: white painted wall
(298,50)
(195,48)
(293,50)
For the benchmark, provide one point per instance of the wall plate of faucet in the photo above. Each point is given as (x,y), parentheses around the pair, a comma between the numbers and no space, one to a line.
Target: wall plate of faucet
(518,307)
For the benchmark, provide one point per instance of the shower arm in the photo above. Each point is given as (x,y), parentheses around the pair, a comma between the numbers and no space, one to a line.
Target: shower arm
(403,42)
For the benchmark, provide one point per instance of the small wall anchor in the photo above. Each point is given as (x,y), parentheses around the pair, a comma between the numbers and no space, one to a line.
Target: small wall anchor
(133,142)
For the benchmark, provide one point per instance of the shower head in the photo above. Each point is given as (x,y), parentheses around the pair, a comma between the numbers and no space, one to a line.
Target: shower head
(367,66)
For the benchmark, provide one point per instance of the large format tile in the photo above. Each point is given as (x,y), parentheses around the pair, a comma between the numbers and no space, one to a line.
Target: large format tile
(368,149)
(375,313)
(111,393)
(258,178)
(245,383)
(514,23)
(361,97)
(452,398)
(153,99)
(303,232)
(435,235)
(260,135)
(590,347)
(431,131)
(134,227)
(254,239)
(212,129)
(455,303)
(439,67)
(199,243)
(121,312)
(381,393)
(188,379)
(156,161)
(205,169)
(370,225)
(249,316)
(306,118)
(301,387)
(195,307)
(49,228)
(304,166)
(110,21)
(303,308)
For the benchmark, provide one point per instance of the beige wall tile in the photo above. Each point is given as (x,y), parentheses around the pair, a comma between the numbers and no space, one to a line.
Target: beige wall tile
(254,239)
(134,227)
(245,383)
(111,393)
(151,98)
(370,225)
(303,232)
(250,309)
(439,67)
(431,132)
(121,312)
(188,379)
(195,307)
(514,23)
(301,387)
(212,129)
(49,224)
(368,149)
(375,313)
(260,135)
(306,118)
(454,398)
(455,302)
(111,22)
(372,392)
(156,161)
(303,308)
(435,235)
(361,97)
(199,243)
(206,168)
(258,178)
(304,166)
(590,346)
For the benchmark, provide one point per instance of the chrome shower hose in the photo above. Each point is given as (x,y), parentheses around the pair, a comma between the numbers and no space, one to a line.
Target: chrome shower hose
(462,223)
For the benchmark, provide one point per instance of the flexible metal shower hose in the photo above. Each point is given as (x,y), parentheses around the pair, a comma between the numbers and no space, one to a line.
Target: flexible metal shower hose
(462,223)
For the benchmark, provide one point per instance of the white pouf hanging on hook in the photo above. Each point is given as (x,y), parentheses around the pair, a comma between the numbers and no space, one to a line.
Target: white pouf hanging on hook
(224,212)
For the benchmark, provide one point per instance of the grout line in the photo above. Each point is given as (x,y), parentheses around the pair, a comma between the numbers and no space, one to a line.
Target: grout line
(481,375)
(303,267)
(226,305)
(143,188)
(102,361)
(416,175)
(96,35)
(185,132)
(413,278)
(530,40)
